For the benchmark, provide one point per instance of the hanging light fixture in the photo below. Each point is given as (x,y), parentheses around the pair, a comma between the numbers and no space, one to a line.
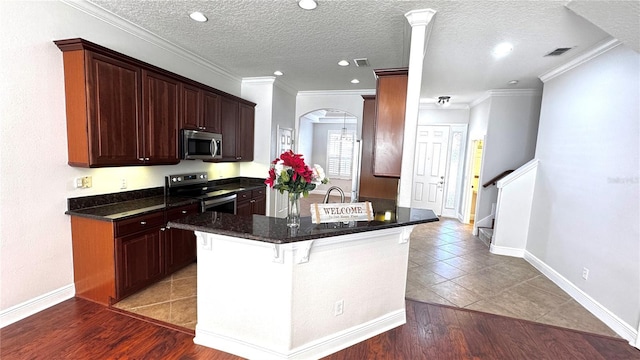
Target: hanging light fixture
(444,101)
(343,133)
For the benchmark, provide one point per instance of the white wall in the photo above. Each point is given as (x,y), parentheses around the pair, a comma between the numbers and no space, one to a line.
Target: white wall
(510,139)
(586,207)
(435,116)
(35,240)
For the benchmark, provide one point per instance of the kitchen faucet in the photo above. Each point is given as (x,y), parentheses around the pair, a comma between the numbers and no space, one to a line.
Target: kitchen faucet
(326,196)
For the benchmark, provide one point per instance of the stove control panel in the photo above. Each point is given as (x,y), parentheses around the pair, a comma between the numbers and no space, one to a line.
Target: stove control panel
(187,179)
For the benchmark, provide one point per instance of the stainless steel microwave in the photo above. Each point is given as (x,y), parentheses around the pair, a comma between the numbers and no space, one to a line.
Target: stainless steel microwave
(202,145)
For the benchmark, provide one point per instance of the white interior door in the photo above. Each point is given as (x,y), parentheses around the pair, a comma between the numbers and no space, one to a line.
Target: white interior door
(285,142)
(430,167)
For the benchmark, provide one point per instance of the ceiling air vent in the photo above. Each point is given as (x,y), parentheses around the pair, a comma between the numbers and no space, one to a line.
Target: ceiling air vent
(558,51)
(361,62)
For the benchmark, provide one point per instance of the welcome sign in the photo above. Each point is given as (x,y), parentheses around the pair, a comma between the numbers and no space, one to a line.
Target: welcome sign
(337,212)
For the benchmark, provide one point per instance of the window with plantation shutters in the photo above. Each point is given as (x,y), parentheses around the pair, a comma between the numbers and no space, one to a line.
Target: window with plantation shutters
(339,153)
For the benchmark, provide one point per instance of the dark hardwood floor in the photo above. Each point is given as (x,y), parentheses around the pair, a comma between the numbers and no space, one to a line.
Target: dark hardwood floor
(79,329)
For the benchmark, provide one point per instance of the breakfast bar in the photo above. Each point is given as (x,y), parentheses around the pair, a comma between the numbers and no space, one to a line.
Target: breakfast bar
(268,291)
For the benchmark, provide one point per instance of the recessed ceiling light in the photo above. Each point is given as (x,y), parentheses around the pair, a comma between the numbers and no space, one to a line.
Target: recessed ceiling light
(513,82)
(355,81)
(343,63)
(198,16)
(502,49)
(278,73)
(307,4)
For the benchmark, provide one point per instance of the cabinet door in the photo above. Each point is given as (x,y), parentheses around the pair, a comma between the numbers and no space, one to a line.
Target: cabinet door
(211,111)
(244,138)
(259,198)
(180,249)
(180,245)
(229,124)
(391,97)
(114,113)
(138,261)
(160,127)
(370,185)
(190,107)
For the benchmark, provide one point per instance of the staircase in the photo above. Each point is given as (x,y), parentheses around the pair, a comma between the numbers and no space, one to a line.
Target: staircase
(485,235)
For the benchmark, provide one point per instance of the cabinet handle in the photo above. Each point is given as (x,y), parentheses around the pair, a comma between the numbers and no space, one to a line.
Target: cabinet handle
(184,211)
(239,158)
(253,201)
(146,159)
(141,159)
(163,229)
(143,223)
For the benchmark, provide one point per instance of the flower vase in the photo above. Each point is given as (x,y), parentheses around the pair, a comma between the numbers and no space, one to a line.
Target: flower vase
(293,216)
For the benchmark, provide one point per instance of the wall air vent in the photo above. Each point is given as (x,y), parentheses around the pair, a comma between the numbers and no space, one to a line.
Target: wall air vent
(559,51)
(361,62)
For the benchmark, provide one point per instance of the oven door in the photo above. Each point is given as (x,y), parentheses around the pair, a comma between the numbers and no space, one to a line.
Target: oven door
(225,204)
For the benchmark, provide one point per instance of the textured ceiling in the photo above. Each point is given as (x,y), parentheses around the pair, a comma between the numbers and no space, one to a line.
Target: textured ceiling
(252,38)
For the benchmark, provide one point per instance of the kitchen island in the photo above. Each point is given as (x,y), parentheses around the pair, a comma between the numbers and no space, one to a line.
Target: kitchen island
(267,291)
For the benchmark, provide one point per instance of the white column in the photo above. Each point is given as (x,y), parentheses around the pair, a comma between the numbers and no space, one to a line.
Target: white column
(418,19)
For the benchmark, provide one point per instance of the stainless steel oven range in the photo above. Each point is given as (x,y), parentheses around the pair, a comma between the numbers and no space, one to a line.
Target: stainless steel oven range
(196,186)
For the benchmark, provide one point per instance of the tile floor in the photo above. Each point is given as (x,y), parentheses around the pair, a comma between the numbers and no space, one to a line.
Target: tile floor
(172,300)
(447,265)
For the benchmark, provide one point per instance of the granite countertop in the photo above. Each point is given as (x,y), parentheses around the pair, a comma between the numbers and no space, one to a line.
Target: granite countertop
(275,230)
(123,205)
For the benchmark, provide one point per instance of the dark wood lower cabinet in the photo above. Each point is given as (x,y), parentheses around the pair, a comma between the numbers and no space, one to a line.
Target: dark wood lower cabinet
(252,202)
(114,260)
(139,261)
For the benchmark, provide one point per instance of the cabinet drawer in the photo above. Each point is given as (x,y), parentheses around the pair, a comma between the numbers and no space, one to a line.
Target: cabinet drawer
(257,193)
(180,212)
(243,196)
(139,223)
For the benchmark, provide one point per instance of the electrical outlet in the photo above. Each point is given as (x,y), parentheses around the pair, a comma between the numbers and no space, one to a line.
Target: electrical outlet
(87,182)
(123,183)
(83,182)
(585,273)
(338,308)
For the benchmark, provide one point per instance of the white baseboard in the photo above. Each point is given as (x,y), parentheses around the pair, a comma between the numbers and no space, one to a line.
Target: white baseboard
(621,328)
(314,350)
(506,251)
(32,306)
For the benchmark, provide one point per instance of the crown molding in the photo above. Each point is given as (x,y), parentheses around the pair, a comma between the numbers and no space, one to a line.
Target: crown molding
(505,92)
(592,53)
(286,87)
(482,98)
(259,80)
(337,92)
(143,34)
(514,92)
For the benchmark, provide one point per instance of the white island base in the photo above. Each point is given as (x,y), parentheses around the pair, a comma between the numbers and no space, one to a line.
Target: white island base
(301,300)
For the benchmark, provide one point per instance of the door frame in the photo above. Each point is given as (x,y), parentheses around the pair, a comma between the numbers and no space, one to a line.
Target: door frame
(467,191)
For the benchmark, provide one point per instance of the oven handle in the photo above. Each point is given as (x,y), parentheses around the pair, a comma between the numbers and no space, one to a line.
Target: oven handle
(219,200)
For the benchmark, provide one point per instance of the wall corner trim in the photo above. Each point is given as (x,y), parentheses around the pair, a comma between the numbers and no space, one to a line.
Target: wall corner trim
(37,304)
(592,53)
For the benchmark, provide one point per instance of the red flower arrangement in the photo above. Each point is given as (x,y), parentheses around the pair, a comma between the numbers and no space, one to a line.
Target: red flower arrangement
(290,173)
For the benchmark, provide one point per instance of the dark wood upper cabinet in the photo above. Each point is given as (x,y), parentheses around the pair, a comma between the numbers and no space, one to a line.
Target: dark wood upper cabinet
(211,111)
(111,111)
(190,107)
(122,111)
(391,97)
(200,109)
(160,112)
(229,111)
(370,185)
(244,138)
